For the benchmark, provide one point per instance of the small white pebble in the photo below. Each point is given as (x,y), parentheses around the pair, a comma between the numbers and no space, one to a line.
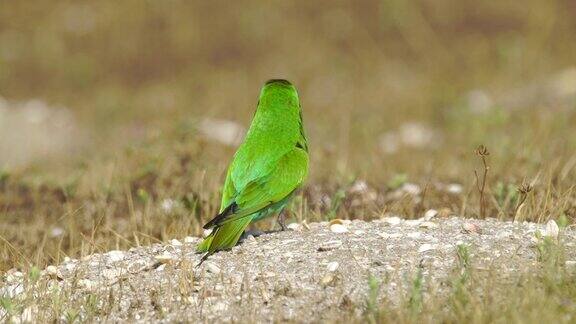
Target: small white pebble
(393,220)
(338,228)
(56,232)
(219,307)
(115,256)
(426,247)
(293,226)
(175,242)
(332,266)
(87,284)
(429,214)
(454,188)
(52,271)
(327,279)
(211,267)
(168,205)
(469,228)
(414,235)
(410,188)
(189,239)
(359,232)
(161,267)
(330,245)
(552,229)
(14,276)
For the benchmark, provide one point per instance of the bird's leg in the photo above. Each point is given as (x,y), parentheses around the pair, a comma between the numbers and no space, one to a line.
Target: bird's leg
(247,233)
(282,221)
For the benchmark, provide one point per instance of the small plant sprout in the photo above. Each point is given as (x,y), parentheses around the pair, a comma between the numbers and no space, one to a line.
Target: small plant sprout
(524,189)
(416,300)
(34,274)
(336,202)
(483,153)
(372,301)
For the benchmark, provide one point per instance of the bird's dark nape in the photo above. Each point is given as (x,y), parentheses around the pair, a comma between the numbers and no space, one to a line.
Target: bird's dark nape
(279,81)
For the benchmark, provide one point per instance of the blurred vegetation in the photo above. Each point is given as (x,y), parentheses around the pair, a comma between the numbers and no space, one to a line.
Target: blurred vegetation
(394,93)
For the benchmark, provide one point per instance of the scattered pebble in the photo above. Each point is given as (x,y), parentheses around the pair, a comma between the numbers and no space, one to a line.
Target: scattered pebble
(552,229)
(87,284)
(330,245)
(52,271)
(211,267)
(115,256)
(454,188)
(175,242)
(168,205)
(411,189)
(189,239)
(327,280)
(393,220)
(111,274)
(426,247)
(293,226)
(14,276)
(469,228)
(224,131)
(164,258)
(429,214)
(56,232)
(289,266)
(338,228)
(332,266)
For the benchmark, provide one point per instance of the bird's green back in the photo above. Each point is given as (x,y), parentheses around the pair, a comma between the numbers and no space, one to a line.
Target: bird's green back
(275,130)
(270,164)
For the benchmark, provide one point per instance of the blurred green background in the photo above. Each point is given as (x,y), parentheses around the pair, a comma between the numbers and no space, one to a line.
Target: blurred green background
(113,110)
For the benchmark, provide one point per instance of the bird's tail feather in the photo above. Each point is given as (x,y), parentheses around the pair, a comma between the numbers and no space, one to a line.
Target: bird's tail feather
(227,235)
(223,237)
(205,244)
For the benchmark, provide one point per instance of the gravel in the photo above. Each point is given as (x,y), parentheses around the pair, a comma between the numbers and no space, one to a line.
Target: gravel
(310,273)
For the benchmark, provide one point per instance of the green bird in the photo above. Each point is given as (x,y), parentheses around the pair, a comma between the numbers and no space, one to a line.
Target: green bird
(268,167)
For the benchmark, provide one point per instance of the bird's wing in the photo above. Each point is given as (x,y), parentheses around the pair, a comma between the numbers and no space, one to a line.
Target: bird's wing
(285,177)
(229,191)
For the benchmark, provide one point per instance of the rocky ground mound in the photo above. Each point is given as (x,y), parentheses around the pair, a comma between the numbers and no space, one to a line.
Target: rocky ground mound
(313,272)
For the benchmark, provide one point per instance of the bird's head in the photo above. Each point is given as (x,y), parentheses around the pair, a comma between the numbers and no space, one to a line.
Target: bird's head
(279,92)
